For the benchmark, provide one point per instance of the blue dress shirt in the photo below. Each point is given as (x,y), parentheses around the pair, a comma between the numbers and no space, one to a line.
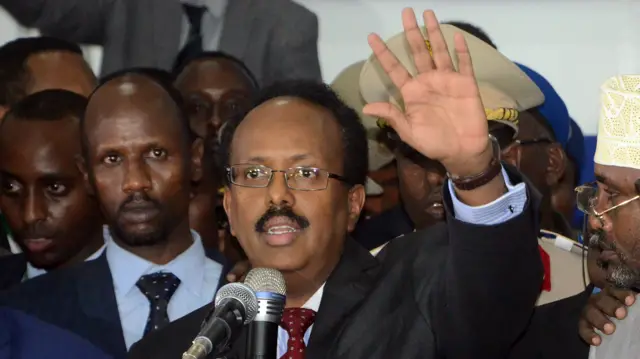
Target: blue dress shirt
(199,277)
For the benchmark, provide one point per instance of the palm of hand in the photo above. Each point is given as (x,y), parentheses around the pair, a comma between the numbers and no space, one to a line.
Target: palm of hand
(444,115)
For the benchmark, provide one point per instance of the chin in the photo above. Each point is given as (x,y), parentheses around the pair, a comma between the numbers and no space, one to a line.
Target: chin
(284,262)
(140,237)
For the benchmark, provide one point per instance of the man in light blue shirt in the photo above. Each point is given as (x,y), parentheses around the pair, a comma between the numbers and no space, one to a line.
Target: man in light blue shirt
(139,160)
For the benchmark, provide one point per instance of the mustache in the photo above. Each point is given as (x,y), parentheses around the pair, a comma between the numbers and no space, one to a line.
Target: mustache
(37,231)
(273,212)
(598,240)
(137,201)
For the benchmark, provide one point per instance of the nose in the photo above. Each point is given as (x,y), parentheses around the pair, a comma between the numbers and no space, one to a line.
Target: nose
(136,177)
(279,193)
(35,208)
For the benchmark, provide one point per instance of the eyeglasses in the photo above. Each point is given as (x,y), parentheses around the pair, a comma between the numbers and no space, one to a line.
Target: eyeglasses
(587,197)
(297,178)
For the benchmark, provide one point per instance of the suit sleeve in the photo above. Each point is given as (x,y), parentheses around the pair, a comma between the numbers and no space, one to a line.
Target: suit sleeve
(82,21)
(484,295)
(293,53)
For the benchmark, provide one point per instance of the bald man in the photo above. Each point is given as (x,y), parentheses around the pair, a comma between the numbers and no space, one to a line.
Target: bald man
(139,160)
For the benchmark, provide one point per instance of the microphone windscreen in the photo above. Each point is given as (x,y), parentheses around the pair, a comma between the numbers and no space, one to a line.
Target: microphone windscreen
(243,294)
(266,280)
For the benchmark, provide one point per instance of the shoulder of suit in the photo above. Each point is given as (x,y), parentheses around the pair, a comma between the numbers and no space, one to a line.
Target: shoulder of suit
(284,9)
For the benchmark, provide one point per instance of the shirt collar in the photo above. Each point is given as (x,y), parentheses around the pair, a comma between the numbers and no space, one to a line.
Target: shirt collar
(313,303)
(215,7)
(33,272)
(126,267)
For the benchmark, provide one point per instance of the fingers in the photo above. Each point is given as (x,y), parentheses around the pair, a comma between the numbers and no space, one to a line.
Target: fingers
(587,333)
(465,66)
(397,73)
(597,319)
(609,305)
(421,56)
(439,47)
(390,113)
(625,296)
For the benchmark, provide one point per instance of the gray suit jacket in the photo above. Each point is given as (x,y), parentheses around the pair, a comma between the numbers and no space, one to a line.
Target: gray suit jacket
(277,39)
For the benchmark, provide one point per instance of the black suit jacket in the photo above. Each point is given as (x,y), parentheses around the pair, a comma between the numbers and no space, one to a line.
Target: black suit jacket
(80,299)
(373,232)
(12,270)
(455,290)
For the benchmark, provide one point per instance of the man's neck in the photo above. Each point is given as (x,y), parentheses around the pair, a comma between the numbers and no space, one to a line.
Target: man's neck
(96,241)
(178,241)
(302,286)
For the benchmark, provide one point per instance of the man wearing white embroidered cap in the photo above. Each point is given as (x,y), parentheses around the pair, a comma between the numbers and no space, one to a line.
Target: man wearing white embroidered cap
(613,206)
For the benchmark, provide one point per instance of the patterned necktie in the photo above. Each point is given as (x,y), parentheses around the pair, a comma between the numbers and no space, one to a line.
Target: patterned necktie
(296,321)
(158,288)
(193,45)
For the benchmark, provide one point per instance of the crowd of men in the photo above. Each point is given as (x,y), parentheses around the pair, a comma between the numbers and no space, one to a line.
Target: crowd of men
(428,203)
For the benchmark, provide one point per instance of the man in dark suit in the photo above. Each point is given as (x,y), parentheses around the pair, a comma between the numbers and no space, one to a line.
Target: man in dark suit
(276,39)
(55,222)
(296,167)
(25,337)
(139,161)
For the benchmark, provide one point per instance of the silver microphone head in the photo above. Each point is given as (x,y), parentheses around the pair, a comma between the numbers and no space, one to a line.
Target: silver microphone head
(266,280)
(242,293)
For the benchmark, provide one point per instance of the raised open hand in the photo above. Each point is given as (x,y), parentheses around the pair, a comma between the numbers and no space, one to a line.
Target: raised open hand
(443,117)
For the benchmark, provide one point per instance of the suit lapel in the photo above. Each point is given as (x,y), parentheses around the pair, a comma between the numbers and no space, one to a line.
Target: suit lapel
(239,18)
(12,270)
(97,300)
(346,287)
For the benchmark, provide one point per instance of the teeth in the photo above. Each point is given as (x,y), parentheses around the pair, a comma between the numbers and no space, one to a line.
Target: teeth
(281,230)
(437,205)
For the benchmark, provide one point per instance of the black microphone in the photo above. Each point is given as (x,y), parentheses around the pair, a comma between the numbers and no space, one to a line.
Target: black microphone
(235,305)
(270,289)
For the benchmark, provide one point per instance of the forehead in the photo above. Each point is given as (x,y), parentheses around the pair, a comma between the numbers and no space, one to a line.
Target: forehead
(60,70)
(619,177)
(49,146)
(285,128)
(131,108)
(529,126)
(212,74)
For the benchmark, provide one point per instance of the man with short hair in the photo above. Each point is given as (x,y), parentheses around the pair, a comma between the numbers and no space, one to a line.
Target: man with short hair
(32,64)
(296,166)
(139,161)
(216,87)
(53,218)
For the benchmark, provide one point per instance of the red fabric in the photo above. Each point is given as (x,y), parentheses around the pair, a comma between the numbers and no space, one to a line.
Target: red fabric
(296,321)
(546,263)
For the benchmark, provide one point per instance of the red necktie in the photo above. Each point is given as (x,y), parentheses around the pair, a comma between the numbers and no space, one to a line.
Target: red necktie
(296,321)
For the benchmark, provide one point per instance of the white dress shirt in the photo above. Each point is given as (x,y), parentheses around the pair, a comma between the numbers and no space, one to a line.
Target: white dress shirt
(199,277)
(212,23)
(33,272)
(510,205)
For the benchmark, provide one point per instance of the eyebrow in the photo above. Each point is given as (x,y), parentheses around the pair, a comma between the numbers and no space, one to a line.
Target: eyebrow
(294,158)
(602,178)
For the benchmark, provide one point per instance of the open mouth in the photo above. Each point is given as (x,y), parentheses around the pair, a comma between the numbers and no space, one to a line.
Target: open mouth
(281,231)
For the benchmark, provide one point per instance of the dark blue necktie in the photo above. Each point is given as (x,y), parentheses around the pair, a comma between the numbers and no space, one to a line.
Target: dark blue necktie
(158,288)
(193,45)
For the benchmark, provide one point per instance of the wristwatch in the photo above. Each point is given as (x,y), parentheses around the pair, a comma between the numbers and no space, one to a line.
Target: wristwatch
(468,183)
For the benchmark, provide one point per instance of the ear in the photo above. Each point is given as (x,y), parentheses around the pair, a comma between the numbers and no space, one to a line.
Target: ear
(81,163)
(557,164)
(511,154)
(357,197)
(197,151)
(226,204)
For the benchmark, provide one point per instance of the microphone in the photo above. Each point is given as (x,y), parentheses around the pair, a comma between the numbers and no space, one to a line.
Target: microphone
(270,289)
(235,305)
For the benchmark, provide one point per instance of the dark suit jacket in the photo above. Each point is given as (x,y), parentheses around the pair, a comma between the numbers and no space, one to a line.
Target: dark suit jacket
(455,290)
(12,270)
(25,337)
(81,300)
(277,39)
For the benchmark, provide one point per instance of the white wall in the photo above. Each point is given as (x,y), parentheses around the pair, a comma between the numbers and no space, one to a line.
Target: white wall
(576,44)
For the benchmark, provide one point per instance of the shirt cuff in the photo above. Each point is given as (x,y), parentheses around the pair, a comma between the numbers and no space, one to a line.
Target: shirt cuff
(510,205)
